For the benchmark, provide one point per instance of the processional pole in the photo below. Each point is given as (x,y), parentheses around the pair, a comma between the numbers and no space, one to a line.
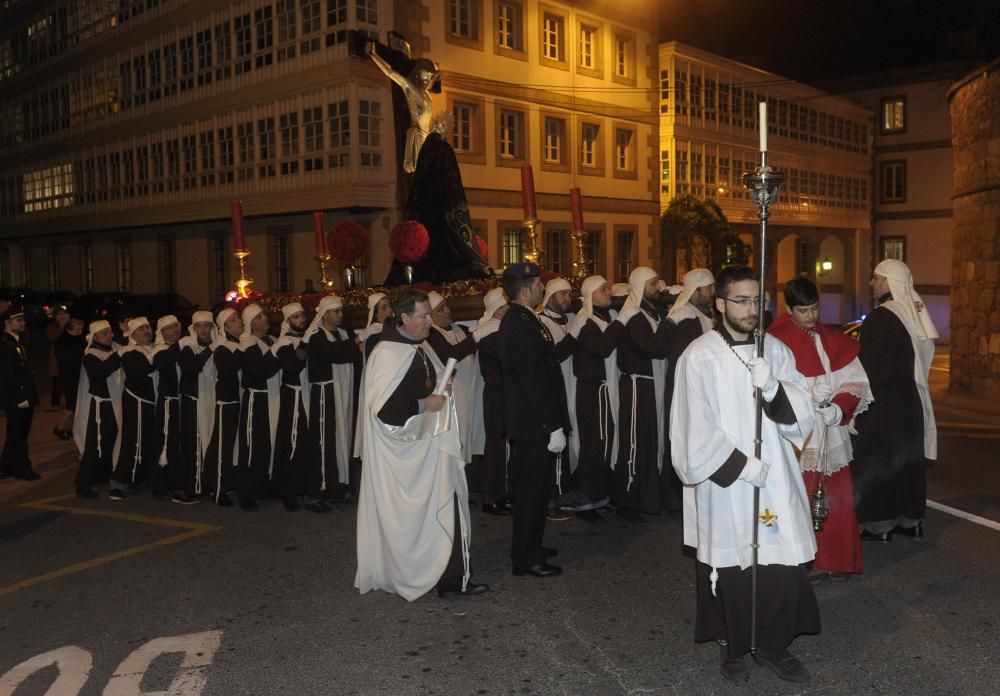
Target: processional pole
(762,185)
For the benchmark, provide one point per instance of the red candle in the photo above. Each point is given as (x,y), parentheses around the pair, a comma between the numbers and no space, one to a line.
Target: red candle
(576,209)
(239,232)
(320,234)
(528,192)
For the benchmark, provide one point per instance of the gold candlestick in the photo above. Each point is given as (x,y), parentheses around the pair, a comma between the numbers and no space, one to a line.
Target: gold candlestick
(580,264)
(324,279)
(244,282)
(532,253)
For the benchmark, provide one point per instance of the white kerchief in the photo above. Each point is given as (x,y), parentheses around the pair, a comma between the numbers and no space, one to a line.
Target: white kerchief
(901,286)
(693,279)
(326,304)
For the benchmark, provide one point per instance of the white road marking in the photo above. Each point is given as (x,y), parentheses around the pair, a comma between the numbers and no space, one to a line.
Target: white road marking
(976,519)
(198,649)
(73,663)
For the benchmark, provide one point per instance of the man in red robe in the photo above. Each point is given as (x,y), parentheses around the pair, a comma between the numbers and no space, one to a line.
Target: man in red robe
(829,361)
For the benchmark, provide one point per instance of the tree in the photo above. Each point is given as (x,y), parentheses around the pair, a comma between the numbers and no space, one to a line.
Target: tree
(696,234)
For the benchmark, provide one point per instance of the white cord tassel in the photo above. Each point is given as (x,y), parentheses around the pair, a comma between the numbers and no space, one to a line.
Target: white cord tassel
(714,577)
(166,429)
(295,417)
(137,459)
(633,437)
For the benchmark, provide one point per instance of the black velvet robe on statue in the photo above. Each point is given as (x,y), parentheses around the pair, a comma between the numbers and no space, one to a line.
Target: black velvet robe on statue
(437,199)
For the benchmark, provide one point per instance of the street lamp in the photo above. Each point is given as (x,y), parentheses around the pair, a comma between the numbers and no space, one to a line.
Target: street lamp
(825,266)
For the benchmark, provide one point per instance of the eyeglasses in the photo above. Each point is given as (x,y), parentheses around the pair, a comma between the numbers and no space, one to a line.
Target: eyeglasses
(743,301)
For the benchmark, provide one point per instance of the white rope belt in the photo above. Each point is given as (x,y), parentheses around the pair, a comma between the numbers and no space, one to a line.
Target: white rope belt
(97,413)
(166,428)
(297,388)
(322,430)
(603,410)
(633,435)
(199,462)
(137,457)
(253,393)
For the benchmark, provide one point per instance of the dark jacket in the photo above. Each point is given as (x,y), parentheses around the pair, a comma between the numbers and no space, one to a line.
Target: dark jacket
(534,392)
(17,383)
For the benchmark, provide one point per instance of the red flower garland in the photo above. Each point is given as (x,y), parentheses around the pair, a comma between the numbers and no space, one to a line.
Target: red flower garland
(347,241)
(484,249)
(409,241)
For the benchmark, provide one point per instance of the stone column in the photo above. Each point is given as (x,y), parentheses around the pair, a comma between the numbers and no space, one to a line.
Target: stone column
(975,297)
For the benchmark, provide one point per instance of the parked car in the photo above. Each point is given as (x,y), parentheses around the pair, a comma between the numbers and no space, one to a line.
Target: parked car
(159,304)
(31,301)
(56,298)
(112,306)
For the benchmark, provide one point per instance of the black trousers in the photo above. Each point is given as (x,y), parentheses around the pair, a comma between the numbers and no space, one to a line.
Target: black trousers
(534,476)
(14,461)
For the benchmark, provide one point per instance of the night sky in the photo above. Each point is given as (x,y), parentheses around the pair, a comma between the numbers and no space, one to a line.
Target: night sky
(811,40)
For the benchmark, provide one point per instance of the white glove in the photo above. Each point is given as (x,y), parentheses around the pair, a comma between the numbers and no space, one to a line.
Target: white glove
(25,404)
(488,327)
(830,415)
(626,314)
(762,378)
(755,472)
(557,441)
(821,393)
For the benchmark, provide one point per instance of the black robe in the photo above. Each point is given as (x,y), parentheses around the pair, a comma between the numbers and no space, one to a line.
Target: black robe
(681,336)
(69,351)
(138,435)
(291,441)
(253,468)
(17,385)
(637,397)
(322,477)
(97,457)
(594,420)
(218,475)
(166,470)
(889,468)
(191,363)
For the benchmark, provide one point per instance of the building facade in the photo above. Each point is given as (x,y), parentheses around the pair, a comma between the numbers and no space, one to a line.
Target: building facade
(912,165)
(128,126)
(820,226)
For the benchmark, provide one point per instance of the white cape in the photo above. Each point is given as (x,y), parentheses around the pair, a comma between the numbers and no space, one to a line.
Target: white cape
(206,405)
(81,416)
(713,413)
(923,356)
(411,475)
(468,392)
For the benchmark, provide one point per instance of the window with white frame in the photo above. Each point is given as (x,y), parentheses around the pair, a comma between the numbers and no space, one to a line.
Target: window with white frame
(893,115)
(624,155)
(556,244)
(246,148)
(623,57)
(370,133)
(464,126)
(312,127)
(511,134)
(893,178)
(509,33)
(462,18)
(48,188)
(553,37)
(288,124)
(339,128)
(588,46)
(589,141)
(510,251)
(624,243)
(555,138)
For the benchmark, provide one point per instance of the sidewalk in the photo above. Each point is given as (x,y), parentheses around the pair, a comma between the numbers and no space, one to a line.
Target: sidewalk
(958,411)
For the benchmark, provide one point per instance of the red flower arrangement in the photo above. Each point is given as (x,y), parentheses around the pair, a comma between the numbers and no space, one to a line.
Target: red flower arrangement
(547,276)
(484,250)
(409,241)
(347,241)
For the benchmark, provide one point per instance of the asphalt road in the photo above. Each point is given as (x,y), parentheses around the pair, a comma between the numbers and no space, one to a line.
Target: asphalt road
(267,603)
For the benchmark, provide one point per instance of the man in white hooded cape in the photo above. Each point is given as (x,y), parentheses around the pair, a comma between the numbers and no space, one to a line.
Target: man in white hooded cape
(413,509)
(197,389)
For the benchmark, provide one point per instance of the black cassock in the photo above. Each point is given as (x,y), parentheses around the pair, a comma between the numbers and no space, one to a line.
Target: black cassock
(97,459)
(594,420)
(192,360)
(494,476)
(291,441)
(218,476)
(637,471)
(254,458)
(166,469)
(889,469)
(138,436)
(682,334)
(324,350)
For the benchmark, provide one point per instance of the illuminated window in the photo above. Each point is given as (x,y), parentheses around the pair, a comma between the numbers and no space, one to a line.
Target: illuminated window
(624,149)
(893,248)
(555,136)
(588,46)
(49,188)
(509,33)
(339,120)
(553,36)
(511,245)
(893,115)
(370,133)
(589,144)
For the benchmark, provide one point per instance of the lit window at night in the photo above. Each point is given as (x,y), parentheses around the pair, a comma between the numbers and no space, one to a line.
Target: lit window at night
(48,188)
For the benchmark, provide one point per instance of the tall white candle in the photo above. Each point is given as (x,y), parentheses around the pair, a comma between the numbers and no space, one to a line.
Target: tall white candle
(763,126)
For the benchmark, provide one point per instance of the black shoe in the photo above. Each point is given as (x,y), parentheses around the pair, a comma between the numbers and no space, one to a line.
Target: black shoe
(495,508)
(85,492)
(30,476)
(184,499)
(291,504)
(317,506)
(840,577)
(249,506)
(550,553)
(733,668)
(117,494)
(630,515)
(470,590)
(224,501)
(542,570)
(917,531)
(871,536)
(784,665)
(592,516)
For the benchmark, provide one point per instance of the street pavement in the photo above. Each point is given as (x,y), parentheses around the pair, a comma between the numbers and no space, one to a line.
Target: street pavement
(263,603)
